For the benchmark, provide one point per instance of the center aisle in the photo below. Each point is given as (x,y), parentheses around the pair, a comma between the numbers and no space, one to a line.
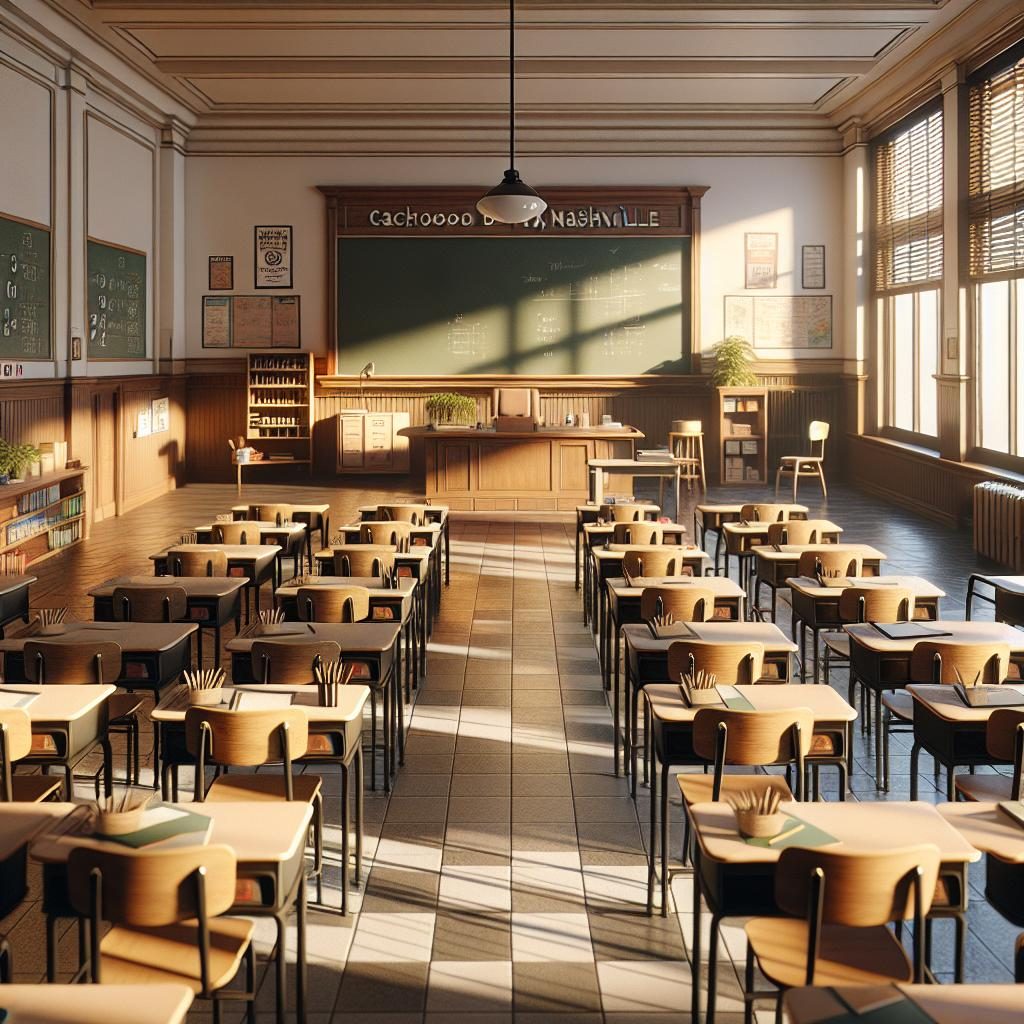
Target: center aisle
(509,873)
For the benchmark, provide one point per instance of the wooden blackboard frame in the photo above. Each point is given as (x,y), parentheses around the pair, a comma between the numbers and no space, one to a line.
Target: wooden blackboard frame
(349,209)
(36,226)
(145,300)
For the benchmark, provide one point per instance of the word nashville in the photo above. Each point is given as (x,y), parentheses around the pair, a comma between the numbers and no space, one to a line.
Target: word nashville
(582,217)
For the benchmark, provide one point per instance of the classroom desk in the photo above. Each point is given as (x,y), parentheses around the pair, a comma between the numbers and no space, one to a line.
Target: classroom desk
(736,878)
(949,730)
(713,517)
(316,516)
(589,514)
(14,599)
(944,1004)
(271,872)
(1006,584)
(212,602)
(340,731)
(670,468)
(74,718)
(624,609)
(153,654)
(96,1004)
(646,661)
(879,663)
(387,604)
(741,539)
(773,567)
(431,514)
(376,650)
(817,608)
(291,539)
(19,825)
(671,746)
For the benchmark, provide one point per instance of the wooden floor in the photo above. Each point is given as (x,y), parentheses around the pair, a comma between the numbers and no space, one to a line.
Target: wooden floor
(508,872)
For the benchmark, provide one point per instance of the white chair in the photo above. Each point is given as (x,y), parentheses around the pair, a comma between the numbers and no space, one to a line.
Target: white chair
(806,465)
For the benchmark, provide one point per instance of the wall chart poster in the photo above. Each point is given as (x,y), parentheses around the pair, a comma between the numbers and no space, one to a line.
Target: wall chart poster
(273,256)
(761,259)
(161,415)
(222,273)
(216,321)
(812,266)
(780,321)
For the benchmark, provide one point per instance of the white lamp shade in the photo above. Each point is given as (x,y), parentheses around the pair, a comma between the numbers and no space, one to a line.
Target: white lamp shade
(511,202)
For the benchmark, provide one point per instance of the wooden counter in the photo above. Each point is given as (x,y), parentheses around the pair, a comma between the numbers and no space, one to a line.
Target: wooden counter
(529,471)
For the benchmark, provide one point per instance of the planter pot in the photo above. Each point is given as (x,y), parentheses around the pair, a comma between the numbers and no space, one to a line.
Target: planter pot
(5,478)
(205,698)
(120,823)
(759,826)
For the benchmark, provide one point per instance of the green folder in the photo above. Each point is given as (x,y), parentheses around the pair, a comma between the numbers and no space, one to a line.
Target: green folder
(182,824)
(734,699)
(899,1010)
(808,836)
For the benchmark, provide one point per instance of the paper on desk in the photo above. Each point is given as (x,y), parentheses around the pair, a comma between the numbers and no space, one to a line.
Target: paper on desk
(16,698)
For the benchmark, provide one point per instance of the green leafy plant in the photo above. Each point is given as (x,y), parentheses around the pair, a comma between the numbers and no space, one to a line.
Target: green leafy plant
(448,407)
(734,359)
(16,458)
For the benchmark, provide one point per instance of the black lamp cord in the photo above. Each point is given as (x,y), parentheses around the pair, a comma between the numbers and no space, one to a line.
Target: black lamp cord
(512,84)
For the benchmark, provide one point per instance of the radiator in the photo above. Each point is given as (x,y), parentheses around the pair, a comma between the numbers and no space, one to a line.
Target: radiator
(999,523)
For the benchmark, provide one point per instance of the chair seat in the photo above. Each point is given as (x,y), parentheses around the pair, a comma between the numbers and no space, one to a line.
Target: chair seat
(792,459)
(697,789)
(837,643)
(122,706)
(848,956)
(30,789)
(130,956)
(227,788)
(983,788)
(899,704)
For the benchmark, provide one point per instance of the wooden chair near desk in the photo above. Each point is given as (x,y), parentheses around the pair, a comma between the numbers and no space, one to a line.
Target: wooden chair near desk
(838,905)
(164,907)
(798,531)
(942,662)
(414,515)
(813,563)
(396,535)
(54,664)
(197,563)
(239,531)
(369,560)
(638,532)
(1004,741)
(677,604)
(16,742)
(654,563)
(333,604)
(1009,607)
(623,512)
(811,465)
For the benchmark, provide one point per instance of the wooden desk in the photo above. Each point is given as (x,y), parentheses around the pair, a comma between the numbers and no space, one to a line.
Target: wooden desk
(153,654)
(291,538)
(14,599)
(713,517)
(736,879)
(212,601)
(672,746)
(519,471)
(944,1004)
(742,538)
(634,467)
(588,514)
(19,825)
(96,1004)
(316,516)
(431,514)
(1005,584)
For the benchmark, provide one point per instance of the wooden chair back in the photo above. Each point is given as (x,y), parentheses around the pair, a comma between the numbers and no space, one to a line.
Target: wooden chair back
(333,604)
(246,739)
(796,531)
(684,604)
(388,534)
(415,515)
(876,604)
(1009,608)
(741,663)
(277,513)
(150,604)
(152,888)
(817,434)
(1004,741)
(15,737)
(290,664)
(845,563)
(197,563)
(636,564)
(943,661)
(241,531)
(764,512)
(364,560)
(621,513)
(638,532)
(72,663)
(753,737)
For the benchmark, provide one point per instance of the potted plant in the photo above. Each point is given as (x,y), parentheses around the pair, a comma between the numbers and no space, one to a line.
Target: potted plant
(21,457)
(734,363)
(447,409)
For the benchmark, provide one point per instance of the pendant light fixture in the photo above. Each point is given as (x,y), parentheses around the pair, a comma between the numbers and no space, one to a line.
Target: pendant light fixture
(512,201)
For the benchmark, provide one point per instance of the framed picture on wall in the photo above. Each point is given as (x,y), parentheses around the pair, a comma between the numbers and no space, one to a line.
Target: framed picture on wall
(812,266)
(761,259)
(272,256)
(222,273)
(217,321)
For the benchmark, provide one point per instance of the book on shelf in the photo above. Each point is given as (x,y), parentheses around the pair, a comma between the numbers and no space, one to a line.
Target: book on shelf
(742,430)
(728,405)
(752,475)
(749,447)
(732,448)
(734,470)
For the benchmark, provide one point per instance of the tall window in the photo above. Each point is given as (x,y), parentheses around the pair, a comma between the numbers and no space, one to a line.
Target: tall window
(908,267)
(996,247)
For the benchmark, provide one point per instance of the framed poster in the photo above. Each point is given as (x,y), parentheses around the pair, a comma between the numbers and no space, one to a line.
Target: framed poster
(252,322)
(161,419)
(144,423)
(812,266)
(285,321)
(761,259)
(781,321)
(216,321)
(222,273)
(272,255)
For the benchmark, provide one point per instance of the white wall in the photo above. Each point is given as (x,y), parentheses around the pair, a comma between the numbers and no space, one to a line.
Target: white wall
(25,116)
(799,197)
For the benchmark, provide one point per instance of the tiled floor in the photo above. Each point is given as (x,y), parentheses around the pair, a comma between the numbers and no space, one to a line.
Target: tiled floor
(508,873)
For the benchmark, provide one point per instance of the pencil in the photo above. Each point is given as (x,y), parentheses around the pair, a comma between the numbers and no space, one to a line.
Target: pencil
(784,835)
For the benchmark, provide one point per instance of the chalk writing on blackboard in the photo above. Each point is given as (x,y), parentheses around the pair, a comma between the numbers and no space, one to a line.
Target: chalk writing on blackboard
(117,302)
(24,290)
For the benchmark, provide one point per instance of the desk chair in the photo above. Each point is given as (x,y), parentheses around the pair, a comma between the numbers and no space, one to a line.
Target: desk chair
(636,564)
(364,560)
(15,743)
(197,563)
(333,604)
(806,465)
(621,512)
(56,664)
(638,532)
(286,663)
(839,905)
(797,531)
(516,408)
(237,532)
(271,512)
(828,560)
(1009,608)
(395,535)
(403,513)
(764,512)
(680,604)
(164,907)
(1004,741)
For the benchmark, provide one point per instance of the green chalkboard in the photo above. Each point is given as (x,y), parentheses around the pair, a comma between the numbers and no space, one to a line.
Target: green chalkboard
(117,302)
(25,294)
(537,305)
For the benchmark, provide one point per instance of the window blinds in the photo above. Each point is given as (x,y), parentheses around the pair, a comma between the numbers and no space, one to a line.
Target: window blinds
(908,202)
(995,206)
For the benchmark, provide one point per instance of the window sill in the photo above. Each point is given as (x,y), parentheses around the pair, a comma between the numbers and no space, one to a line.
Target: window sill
(972,467)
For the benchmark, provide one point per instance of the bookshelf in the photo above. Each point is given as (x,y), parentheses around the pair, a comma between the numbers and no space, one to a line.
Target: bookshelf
(743,435)
(279,412)
(43,515)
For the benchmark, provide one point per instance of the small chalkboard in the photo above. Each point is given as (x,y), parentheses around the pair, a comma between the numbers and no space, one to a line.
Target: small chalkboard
(117,302)
(25,290)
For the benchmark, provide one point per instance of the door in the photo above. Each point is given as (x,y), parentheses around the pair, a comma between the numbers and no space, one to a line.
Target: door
(104,447)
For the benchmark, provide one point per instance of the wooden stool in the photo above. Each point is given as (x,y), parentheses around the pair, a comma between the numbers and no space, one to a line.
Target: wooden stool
(686,442)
